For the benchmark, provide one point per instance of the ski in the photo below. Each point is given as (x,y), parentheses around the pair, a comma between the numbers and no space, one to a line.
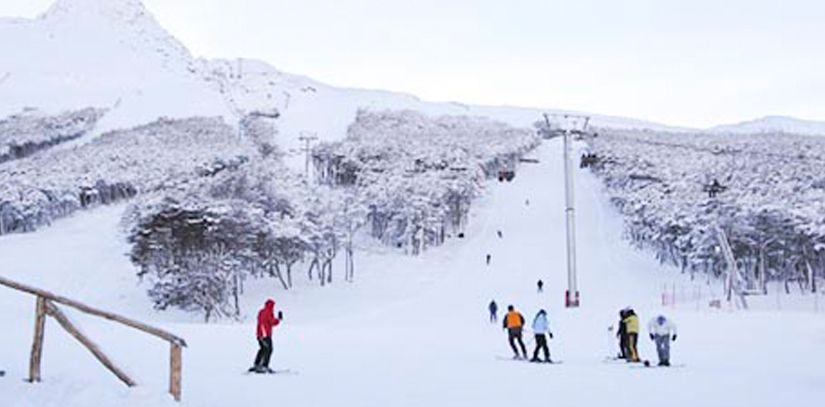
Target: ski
(647,365)
(617,361)
(504,358)
(273,372)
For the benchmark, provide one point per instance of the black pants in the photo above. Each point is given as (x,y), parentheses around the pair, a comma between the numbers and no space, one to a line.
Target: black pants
(514,334)
(541,343)
(493,316)
(623,346)
(264,353)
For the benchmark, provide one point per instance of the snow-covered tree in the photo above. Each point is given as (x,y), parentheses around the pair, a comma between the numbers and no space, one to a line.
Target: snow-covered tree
(766,191)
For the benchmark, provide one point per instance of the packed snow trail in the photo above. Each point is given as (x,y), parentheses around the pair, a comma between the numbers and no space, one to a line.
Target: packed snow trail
(414,331)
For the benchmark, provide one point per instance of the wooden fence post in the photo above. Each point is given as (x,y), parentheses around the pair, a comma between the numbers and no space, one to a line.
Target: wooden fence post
(45,306)
(37,345)
(175,373)
(55,312)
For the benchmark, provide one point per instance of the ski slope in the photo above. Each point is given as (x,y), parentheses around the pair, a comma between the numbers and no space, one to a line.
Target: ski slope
(413,331)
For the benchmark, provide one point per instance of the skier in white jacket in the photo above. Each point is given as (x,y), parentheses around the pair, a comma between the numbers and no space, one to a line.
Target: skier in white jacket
(540,328)
(662,331)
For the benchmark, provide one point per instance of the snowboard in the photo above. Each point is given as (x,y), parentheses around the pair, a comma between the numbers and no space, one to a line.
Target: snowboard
(505,358)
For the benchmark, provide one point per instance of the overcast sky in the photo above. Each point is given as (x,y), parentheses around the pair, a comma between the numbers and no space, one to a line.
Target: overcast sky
(693,63)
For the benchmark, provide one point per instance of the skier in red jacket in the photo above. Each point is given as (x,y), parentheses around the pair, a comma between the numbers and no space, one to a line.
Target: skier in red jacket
(266,320)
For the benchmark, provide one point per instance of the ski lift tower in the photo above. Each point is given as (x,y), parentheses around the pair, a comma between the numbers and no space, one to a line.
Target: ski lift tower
(570,124)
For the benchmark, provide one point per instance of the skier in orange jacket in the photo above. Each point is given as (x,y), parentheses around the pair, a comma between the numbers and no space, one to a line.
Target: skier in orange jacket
(514,322)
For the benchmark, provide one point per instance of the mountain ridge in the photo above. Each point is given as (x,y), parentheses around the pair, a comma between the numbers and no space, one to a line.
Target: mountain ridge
(114,54)
(774,124)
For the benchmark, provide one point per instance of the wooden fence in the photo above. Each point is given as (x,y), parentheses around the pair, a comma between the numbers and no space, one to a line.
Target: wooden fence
(46,306)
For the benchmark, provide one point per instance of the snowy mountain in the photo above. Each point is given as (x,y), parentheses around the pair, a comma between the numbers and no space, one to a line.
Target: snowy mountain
(774,124)
(113,54)
(104,54)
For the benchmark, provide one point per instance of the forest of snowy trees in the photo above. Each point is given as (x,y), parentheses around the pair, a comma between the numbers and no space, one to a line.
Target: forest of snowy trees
(28,132)
(417,176)
(117,165)
(766,191)
(409,181)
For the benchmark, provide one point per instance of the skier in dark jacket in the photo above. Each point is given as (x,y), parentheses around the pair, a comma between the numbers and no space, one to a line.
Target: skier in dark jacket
(514,322)
(266,321)
(493,307)
(622,335)
(540,285)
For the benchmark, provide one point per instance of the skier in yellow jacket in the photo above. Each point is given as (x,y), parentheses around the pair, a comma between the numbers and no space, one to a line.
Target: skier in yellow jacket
(514,322)
(632,326)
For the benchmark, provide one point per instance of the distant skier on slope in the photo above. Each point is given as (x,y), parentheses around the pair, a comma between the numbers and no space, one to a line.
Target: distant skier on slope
(514,322)
(540,329)
(488,258)
(493,307)
(632,328)
(540,285)
(662,331)
(499,234)
(266,321)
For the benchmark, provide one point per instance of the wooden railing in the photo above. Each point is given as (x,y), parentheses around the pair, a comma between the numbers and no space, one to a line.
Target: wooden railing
(46,306)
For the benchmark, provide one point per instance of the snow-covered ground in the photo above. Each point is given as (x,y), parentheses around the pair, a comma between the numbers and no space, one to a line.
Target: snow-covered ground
(414,331)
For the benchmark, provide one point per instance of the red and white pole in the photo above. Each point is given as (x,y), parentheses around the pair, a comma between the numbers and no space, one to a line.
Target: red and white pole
(572,295)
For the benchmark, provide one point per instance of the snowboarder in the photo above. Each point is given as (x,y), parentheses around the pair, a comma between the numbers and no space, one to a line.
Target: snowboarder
(488,258)
(540,328)
(493,307)
(514,322)
(540,285)
(622,335)
(266,321)
(632,328)
(662,331)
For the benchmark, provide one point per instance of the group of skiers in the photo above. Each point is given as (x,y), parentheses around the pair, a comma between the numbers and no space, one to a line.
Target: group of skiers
(662,331)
